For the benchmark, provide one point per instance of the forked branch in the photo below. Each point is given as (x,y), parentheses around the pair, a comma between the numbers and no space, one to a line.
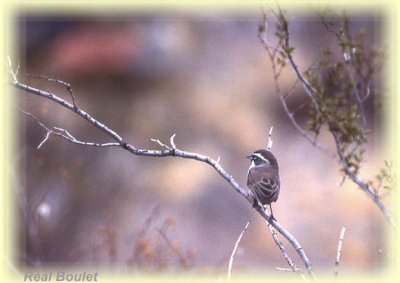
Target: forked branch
(167,150)
(349,135)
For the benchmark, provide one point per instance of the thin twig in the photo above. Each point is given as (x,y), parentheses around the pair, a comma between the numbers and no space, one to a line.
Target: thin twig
(171,245)
(67,85)
(339,252)
(308,88)
(234,251)
(44,140)
(298,108)
(172,142)
(362,185)
(60,132)
(160,143)
(270,141)
(278,90)
(292,240)
(285,255)
(14,74)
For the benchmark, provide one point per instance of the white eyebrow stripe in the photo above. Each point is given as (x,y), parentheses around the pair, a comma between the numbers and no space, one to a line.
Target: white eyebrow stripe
(261,157)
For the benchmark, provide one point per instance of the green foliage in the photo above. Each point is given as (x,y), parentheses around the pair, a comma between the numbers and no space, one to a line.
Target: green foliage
(340,83)
(387,177)
(340,86)
(282,34)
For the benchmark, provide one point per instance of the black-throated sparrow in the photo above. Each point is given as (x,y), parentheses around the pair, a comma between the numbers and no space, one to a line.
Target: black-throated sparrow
(263,178)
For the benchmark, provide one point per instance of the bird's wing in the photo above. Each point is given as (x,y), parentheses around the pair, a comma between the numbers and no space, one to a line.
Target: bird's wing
(267,190)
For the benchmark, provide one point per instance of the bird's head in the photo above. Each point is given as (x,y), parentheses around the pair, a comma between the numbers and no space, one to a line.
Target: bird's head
(263,157)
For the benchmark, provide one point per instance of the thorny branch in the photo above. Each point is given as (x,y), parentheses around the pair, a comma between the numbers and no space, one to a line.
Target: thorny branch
(167,150)
(283,49)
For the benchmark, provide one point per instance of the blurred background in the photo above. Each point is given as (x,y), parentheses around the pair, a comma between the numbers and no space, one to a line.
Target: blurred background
(206,77)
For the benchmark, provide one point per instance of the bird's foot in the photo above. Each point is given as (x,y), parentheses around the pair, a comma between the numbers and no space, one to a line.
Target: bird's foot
(271,218)
(255,203)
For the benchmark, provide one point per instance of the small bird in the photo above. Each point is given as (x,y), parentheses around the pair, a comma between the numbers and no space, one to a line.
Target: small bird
(263,178)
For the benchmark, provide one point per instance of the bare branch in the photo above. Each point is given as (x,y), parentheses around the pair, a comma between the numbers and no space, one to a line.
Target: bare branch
(270,141)
(302,131)
(167,151)
(67,85)
(293,241)
(282,248)
(171,245)
(172,142)
(234,251)
(272,54)
(65,134)
(60,132)
(14,74)
(137,151)
(308,88)
(44,140)
(284,269)
(285,255)
(298,108)
(160,143)
(48,130)
(339,251)
(263,34)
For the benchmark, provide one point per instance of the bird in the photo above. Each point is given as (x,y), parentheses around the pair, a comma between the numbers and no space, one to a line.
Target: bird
(263,178)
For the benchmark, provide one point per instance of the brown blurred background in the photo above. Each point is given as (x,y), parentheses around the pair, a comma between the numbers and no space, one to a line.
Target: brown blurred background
(206,77)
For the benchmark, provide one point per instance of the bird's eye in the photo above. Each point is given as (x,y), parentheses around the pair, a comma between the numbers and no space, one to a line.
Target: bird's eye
(256,158)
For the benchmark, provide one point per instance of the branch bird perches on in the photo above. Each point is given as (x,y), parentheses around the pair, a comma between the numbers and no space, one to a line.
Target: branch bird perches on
(168,151)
